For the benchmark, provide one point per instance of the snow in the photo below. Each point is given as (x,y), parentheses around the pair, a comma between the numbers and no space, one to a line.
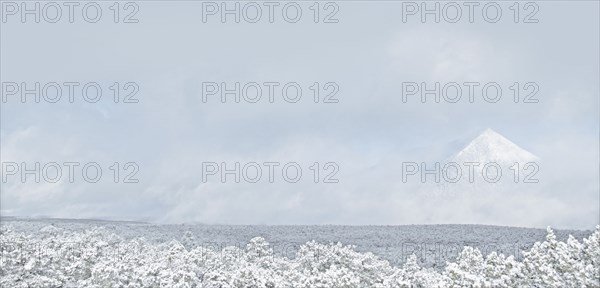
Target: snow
(490,165)
(490,146)
(96,257)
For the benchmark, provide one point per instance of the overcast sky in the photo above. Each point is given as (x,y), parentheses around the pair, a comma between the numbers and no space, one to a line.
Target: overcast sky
(368,134)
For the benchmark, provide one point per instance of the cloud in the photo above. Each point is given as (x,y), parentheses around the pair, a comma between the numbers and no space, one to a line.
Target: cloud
(368,134)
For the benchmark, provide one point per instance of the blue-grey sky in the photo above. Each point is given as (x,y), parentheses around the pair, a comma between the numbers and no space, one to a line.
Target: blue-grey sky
(369,53)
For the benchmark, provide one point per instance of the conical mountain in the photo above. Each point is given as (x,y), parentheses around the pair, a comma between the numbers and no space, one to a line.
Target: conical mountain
(490,146)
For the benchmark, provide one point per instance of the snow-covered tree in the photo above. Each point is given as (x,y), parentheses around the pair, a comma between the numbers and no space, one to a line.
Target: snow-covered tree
(95,258)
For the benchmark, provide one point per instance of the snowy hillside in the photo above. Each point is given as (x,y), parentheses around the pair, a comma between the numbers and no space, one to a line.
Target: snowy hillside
(490,146)
(490,163)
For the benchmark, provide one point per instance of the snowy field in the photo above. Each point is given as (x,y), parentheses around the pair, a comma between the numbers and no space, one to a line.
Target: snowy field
(91,253)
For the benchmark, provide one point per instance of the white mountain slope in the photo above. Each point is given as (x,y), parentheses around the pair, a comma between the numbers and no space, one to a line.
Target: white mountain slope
(489,152)
(490,146)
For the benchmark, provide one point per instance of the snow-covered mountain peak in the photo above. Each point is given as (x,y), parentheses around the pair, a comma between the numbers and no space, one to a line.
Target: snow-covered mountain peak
(490,146)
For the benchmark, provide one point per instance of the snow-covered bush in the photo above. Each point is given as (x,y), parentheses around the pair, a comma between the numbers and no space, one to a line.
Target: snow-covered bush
(95,258)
